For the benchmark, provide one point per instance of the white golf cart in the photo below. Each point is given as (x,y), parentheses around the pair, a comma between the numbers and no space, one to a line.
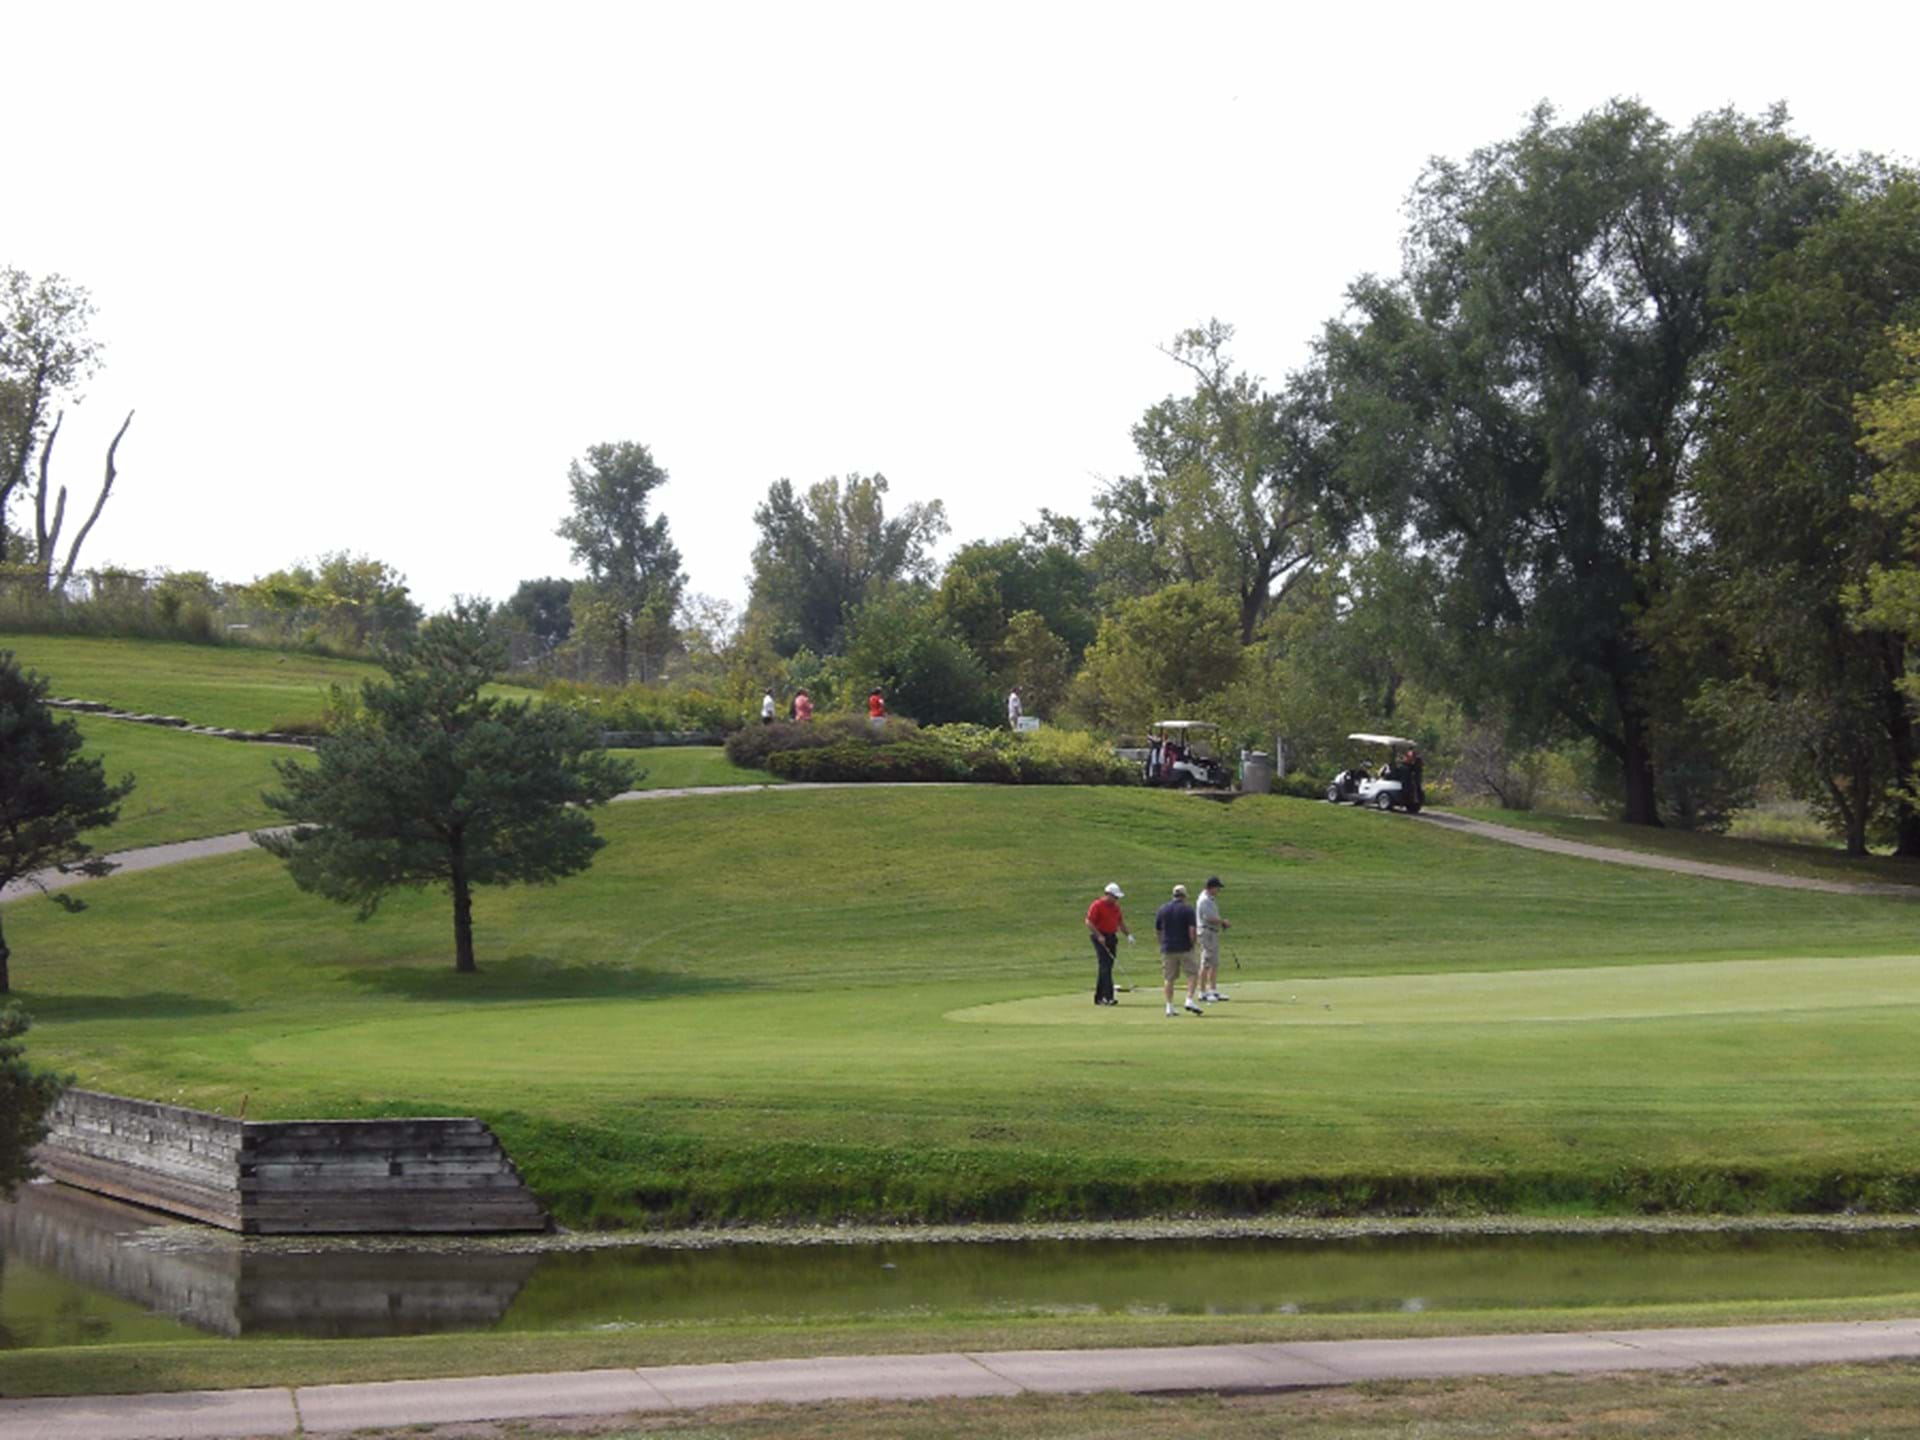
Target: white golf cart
(1395,785)
(1180,752)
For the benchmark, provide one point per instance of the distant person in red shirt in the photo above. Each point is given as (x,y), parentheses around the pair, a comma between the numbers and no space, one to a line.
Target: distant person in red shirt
(1106,925)
(802,707)
(876,706)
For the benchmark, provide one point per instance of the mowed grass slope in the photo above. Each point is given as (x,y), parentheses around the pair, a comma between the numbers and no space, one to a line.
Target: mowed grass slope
(232,685)
(877,1003)
(190,786)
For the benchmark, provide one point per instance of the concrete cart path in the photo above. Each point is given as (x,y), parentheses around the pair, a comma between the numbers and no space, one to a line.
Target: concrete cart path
(1533,840)
(331,1409)
(154,856)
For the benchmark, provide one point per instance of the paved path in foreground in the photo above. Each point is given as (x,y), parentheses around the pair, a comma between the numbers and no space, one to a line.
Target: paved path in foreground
(155,856)
(327,1409)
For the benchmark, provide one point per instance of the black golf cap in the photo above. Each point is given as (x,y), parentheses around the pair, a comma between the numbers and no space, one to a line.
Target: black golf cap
(1216,883)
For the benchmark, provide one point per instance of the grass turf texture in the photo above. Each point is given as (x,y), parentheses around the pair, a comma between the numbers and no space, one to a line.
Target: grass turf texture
(232,685)
(806,1005)
(189,786)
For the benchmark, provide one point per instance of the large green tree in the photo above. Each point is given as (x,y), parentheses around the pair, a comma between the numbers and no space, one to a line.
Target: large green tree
(1523,402)
(1784,487)
(50,793)
(354,601)
(46,353)
(899,642)
(988,582)
(632,562)
(825,551)
(1236,479)
(430,782)
(1161,656)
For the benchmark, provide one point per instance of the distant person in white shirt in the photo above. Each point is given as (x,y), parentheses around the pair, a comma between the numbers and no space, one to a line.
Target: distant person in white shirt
(766,708)
(1013,708)
(1209,923)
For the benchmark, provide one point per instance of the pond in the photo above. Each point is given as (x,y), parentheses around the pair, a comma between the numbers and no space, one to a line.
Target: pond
(81,1270)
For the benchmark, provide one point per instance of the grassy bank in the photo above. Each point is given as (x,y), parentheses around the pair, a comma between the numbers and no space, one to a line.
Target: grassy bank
(232,685)
(876,1004)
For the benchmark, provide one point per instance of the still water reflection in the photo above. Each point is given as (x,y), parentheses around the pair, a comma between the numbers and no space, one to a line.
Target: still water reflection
(80,1270)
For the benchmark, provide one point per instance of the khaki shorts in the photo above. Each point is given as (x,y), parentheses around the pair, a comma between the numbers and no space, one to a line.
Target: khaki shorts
(1209,949)
(1172,962)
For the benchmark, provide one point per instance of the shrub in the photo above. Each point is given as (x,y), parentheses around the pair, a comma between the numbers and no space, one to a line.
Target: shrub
(915,759)
(751,746)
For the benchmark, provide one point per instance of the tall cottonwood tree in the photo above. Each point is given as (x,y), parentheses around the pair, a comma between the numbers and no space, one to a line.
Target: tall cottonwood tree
(1785,489)
(1236,478)
(1523,402)
(633,566)
(46,354)
(432,783)
(825,551)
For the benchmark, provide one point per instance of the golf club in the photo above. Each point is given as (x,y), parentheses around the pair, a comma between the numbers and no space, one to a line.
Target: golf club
(1236,956)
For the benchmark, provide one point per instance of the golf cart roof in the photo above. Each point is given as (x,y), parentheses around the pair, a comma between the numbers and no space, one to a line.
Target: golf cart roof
(1184,725)
(1399,740)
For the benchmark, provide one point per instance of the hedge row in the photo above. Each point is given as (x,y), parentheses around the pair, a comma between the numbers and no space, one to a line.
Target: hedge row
(958,753)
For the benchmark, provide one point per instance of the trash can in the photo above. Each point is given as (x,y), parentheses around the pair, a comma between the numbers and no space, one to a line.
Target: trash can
(1256,773)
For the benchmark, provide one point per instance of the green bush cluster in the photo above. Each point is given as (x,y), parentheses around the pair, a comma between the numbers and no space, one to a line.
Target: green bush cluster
(968,753)
(644,707)
(755,744)
(917,759)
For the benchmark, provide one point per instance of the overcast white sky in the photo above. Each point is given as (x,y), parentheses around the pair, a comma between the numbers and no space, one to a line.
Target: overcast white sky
(372,274)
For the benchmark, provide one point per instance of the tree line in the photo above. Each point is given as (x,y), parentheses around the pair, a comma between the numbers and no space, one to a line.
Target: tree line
(1618,465)
(1619,461)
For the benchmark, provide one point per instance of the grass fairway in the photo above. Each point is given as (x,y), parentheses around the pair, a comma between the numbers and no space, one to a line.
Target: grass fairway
(876,1003)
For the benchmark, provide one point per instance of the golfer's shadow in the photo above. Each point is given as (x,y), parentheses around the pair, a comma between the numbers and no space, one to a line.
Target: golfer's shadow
(538,977)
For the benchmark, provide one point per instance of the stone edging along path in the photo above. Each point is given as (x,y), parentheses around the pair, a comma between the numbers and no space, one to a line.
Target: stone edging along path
(154,856)
(1195,1369)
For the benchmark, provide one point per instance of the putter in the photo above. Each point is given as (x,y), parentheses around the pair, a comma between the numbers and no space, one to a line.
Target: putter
(1236,956)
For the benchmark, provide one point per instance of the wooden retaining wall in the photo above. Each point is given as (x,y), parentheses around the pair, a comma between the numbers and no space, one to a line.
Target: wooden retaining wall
(289,1177)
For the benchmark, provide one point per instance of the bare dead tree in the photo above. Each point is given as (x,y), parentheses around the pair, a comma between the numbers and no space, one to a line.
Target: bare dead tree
(47,535)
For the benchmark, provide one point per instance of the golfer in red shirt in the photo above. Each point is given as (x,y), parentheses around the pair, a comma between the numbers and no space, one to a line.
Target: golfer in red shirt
(1106,925)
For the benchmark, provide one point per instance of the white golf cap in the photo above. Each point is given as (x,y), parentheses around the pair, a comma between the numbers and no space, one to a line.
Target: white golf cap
(1115,891)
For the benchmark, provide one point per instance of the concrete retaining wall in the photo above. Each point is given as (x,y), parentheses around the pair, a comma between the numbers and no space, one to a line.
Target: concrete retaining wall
(291,1177)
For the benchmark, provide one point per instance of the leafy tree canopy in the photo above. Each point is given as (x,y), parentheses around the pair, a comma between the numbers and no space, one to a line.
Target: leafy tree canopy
(988,582)
(630,558)
(1522,401)
(50,794)
(899,642)
(823,552)
(430,782)
(1165,655)
(45,355)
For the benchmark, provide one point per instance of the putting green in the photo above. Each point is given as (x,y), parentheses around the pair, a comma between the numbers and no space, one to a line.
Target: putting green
(1634,992)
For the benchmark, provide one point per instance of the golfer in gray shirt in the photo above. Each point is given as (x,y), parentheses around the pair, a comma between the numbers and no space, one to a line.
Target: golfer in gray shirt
(1207,913)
